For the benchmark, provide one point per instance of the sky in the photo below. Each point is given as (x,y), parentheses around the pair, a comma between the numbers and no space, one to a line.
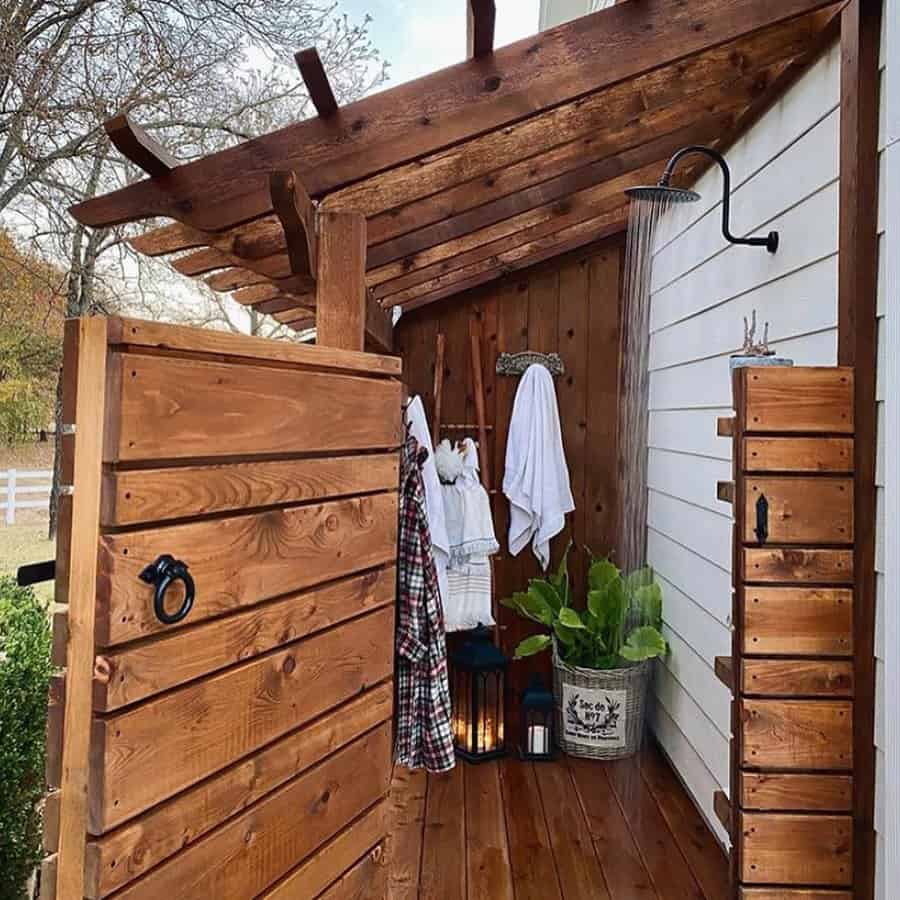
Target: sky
(421,36)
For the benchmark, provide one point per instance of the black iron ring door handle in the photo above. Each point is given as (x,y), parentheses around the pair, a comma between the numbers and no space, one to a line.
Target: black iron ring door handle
(162,574)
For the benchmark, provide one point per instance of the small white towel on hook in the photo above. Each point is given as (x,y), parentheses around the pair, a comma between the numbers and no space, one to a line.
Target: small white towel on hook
(536,480)
(434,498)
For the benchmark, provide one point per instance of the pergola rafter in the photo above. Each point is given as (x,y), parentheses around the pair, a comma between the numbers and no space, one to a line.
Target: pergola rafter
(482,168)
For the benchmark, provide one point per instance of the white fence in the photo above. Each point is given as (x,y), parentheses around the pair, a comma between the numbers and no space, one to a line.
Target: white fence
(24,489)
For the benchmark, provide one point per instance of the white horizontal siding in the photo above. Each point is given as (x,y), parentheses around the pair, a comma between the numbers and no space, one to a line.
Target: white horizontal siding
(786,178)
(887,633)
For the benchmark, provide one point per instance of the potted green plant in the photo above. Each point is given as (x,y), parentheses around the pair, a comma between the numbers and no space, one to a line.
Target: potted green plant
(602,654)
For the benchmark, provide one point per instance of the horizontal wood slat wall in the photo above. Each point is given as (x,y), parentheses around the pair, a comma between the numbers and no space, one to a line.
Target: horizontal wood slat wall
(568,305)
(792,720)
(226,749)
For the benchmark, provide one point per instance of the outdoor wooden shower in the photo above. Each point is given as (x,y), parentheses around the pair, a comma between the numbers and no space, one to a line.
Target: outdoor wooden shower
(245,751)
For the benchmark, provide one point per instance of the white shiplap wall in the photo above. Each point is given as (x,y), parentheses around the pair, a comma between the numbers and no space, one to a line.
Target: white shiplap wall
(786,178)
(887,728)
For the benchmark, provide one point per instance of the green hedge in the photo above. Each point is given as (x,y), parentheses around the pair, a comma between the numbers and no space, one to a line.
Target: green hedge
(25,671)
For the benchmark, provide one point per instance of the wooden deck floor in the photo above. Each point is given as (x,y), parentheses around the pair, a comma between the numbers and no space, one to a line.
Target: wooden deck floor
(567,830)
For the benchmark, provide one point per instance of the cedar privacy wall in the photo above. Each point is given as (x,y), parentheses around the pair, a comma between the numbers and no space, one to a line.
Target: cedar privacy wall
(569,305)
(785,177)
(786,171)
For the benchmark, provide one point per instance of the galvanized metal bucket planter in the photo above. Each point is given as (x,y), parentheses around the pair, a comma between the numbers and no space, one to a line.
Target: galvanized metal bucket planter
(600,712)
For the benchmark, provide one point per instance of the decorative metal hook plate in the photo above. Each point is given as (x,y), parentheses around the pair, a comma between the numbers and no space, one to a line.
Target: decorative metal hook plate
(762,519)
(517,363)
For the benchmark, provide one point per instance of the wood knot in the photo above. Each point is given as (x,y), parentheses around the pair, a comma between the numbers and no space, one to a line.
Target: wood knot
(492,83)
(289,665)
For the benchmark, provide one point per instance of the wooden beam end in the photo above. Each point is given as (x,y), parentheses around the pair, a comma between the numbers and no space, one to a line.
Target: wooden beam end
(316,80)
(725,671)
(136,145)
(725,426)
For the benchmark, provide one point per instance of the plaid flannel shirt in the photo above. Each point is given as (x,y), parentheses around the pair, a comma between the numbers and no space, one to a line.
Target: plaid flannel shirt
(424,731)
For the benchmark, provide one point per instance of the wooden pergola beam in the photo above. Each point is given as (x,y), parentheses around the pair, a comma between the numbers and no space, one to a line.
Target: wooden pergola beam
(316,80)
(481,20)
(554,189)
(297,215)
(521,257)
(451,106)
(136,145)
(506,235)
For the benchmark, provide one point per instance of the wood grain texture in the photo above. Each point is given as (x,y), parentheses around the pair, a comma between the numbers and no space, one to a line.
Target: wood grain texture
(146,755)
(793,454)
(797,734)
(89,401)
(489,876)
(794,621)
(341,292)
(335,857)
(262,844)
(858,346)
(365,881)
(132,850)
(798,678)
(801,510)
(618,851)
(788,849)
(443,870)
(799,566)
(165,408)
(180,338)
(142,670)
(241,560)
(407,811)
(764,791)
(530,853)
(131,497)
(802,399)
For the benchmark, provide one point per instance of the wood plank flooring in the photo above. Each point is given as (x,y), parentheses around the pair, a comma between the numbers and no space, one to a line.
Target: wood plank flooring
(567,830)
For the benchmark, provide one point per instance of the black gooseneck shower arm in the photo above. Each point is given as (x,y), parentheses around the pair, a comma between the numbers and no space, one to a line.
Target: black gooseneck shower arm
(770,242)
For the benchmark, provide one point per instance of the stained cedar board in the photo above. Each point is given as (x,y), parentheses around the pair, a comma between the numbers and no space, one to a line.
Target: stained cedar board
(241,560)
(803,399)
(128,852)
(797,621)
(797,734)
(197,729)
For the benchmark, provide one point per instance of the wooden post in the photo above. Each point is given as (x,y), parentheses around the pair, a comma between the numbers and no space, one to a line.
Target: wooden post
(857,347)
(478,392)
(341,289)
(438,395)
(90,389)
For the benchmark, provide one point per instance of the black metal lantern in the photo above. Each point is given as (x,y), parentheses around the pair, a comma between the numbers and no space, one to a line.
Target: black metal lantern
(478,689)
(538,735)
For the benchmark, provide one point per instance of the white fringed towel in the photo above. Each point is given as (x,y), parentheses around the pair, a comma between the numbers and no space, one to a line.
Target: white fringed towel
(536,480)
(434,498)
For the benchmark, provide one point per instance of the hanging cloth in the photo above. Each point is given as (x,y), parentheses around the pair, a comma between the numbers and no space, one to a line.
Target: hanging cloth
(434,501)
(536,480)
(470,527)
(424,730)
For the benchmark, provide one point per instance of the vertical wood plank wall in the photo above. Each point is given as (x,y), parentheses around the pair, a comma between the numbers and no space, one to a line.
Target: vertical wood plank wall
(569,305)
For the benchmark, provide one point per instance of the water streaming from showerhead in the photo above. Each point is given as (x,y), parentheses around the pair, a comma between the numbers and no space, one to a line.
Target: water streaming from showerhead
(648,206)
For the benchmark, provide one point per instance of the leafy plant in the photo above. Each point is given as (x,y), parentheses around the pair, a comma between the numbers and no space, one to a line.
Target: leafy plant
(619,625)
(25,670)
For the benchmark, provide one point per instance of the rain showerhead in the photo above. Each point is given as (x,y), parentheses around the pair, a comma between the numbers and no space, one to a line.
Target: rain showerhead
(664,191)
(661,193)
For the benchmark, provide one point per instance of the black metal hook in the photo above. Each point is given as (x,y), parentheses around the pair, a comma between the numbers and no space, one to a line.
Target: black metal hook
(762,519)
(162,573)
